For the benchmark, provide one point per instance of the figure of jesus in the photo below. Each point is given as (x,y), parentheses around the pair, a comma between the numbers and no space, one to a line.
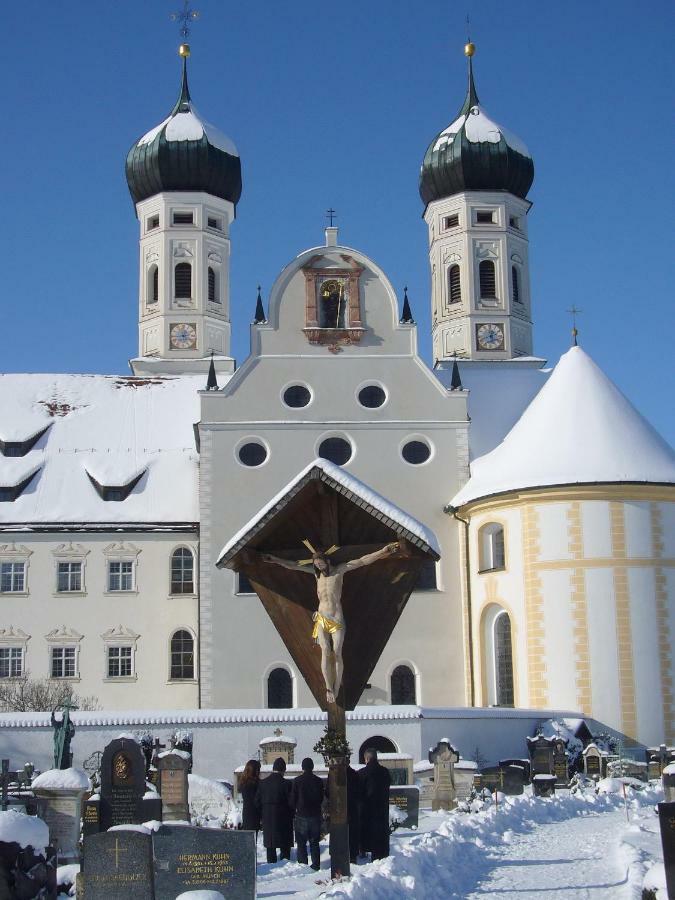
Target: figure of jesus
(329,621)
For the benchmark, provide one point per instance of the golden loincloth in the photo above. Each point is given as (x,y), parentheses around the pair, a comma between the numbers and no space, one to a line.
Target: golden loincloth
(330,626)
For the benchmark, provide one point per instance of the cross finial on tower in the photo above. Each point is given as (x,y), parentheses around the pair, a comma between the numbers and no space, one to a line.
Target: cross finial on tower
(330,215)
(574,310)
(185,16)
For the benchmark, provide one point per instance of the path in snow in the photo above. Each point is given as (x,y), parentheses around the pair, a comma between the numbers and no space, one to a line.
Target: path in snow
(575,859)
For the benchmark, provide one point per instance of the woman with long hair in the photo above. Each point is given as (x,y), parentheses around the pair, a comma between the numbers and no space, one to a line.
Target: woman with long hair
(248,786)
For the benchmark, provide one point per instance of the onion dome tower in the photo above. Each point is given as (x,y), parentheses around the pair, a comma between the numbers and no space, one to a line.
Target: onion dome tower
(474,181)
(184,176)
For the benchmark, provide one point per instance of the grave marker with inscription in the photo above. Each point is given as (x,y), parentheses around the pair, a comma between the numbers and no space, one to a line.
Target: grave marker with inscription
(541,751)
(118,864)
(443,756)
(595,761)
(123,786)
(406,799)
(206,859)
(173,767)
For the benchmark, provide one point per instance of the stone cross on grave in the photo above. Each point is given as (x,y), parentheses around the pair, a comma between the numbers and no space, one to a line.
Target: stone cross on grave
(116,850)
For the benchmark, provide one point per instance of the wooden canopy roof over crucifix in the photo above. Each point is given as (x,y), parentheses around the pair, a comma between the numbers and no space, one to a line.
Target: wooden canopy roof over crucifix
(323,507)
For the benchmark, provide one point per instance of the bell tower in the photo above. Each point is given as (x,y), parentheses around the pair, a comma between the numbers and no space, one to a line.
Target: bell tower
(474,181)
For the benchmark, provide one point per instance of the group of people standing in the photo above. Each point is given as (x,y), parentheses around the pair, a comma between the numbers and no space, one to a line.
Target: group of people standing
(281,807)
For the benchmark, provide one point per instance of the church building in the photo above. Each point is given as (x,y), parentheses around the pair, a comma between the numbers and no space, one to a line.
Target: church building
(551,499)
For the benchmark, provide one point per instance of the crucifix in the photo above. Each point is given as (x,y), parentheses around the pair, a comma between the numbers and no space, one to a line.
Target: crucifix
(330,215)
(185,16)
(574,310)
(116,850)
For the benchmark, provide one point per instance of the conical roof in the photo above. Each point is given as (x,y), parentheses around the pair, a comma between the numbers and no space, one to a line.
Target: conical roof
(579,429)
(184,153)
(474,153)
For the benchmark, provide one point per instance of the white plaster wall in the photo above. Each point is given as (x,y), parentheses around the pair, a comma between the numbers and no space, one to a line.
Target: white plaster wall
(559,651)
(553,525)
(149,611)
(601,613)
(637,517)
(667,511)
(646,662)
(597,539)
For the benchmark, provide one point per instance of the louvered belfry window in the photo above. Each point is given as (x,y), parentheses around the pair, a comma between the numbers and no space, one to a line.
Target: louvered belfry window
(183,278)
(213,292)
(454,284)
(154,286)
(516,284)
(488,279)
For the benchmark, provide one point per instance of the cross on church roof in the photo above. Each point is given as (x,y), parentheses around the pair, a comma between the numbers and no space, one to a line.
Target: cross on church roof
(330,215)
(574,310)
(185,16)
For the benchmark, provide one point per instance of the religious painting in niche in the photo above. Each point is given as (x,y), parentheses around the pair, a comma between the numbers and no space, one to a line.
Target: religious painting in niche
(332,303)
(121,769)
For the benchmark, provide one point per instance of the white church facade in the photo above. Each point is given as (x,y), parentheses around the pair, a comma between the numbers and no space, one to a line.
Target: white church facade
(551,498)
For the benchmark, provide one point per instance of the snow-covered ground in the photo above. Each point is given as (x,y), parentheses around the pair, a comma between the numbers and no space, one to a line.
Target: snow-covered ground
(571,847)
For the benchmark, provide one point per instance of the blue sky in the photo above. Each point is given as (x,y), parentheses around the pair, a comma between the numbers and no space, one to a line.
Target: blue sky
(334,105)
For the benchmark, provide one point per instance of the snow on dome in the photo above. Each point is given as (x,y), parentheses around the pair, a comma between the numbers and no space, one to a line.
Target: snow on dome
(369,496)
(26,831)
(579,429)
(62,779)
(190,126)
(479,128)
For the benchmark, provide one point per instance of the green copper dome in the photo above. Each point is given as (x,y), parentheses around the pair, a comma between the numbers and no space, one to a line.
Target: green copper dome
(184,153)
(474,153)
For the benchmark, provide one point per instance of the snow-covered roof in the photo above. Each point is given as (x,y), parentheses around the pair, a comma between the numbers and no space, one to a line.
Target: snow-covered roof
(371,499)
(579,429)
(279,738)
(479,129)
(188,125)
(110,428)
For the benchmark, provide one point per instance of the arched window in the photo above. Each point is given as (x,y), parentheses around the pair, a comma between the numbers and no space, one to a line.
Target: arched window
(379,743)
(503,660)
(454,284)
(183,281)
(182,571)
(182,655)
(491,547)
(515,284)
(153,284)
(214,295)
(279,689)
(488,278)
(403,691)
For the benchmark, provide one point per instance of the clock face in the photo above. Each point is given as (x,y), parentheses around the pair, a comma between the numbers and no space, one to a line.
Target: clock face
(490,336)
(183,336)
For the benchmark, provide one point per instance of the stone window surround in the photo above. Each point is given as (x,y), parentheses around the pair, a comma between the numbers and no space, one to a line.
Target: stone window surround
(121,552)
(70,553)
(64,637)
(11,553)
(121,636)
(481,537)
(353,329)
(191,632)
(18,639)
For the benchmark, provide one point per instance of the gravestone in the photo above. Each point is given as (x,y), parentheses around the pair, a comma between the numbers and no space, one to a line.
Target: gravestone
(443,756)
(668,781)
(118,864)
(463,773)
(91,815)
(667,824)
(544,785)
(61,810)
(407,799)
(510,780)
(541,751)
(560,763)
(123,786)
(595,762)
(173,767)
(657,759)
(523,764)
(278,744)
(206,859)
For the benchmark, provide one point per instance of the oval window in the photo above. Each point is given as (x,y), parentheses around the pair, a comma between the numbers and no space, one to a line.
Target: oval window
(336,450)
(372,396)
(416,452)
(297,396)
(252,454)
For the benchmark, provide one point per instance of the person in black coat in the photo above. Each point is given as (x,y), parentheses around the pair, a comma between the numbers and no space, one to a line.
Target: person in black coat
(305,800)
(272,800)
(353,812)
(374,781)
(248,787)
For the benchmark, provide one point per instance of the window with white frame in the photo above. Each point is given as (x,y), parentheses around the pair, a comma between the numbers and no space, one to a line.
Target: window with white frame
(68,576)
(11,662)
(182,571)
(63,662)
(120,660)
(12,577)
(491,550)
(182,655)
(120,575)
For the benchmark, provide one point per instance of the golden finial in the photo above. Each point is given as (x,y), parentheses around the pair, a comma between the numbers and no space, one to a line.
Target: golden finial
(184,50)
(469,49)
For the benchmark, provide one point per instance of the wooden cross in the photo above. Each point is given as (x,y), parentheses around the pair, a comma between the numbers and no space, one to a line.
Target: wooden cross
(185,16)
(116,850)
(330,215)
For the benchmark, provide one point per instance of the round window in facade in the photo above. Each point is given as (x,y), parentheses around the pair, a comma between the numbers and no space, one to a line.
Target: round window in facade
(416,452)
(297,396)
(252,453)
(336,450)
(372,396)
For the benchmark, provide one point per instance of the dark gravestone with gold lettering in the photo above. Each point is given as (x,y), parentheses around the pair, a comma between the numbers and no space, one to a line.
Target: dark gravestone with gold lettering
(204,859)
(123,786)
(118,864)
(91,816)
(667,823)
(541,754)
(407,799)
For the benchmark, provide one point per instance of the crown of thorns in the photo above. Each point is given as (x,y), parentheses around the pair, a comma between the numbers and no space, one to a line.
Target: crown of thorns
(316,553)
